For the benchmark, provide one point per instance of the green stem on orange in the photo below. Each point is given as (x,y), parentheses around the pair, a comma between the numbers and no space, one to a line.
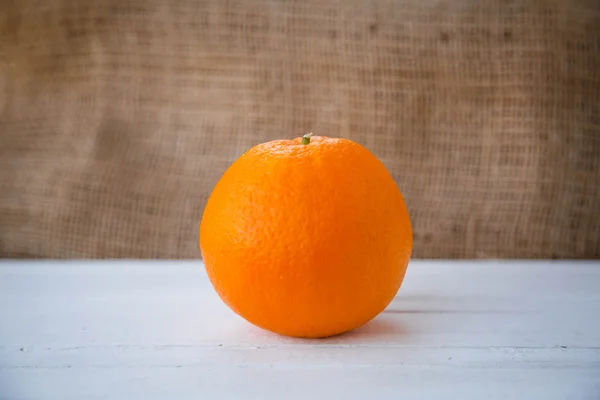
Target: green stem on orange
(306,138)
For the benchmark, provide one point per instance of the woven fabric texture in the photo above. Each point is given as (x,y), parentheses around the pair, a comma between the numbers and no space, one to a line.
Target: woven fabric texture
(117,117)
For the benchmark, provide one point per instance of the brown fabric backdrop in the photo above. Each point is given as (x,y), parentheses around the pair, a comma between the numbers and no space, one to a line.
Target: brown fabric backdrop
(118,117)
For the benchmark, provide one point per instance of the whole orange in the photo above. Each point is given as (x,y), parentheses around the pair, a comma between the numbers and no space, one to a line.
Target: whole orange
(306,240)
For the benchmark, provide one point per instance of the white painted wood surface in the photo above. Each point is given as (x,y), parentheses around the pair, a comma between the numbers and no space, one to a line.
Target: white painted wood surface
(157,330)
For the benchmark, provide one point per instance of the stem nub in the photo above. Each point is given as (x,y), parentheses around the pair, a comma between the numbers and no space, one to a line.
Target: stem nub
(306,138)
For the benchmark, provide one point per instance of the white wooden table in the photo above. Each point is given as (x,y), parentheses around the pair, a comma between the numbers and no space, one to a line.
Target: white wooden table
(157,330)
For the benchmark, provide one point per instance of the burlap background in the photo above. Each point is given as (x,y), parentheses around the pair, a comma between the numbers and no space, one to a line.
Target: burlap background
(117,117)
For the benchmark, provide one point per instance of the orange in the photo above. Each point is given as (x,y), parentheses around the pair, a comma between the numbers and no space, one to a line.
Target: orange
(307,237)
